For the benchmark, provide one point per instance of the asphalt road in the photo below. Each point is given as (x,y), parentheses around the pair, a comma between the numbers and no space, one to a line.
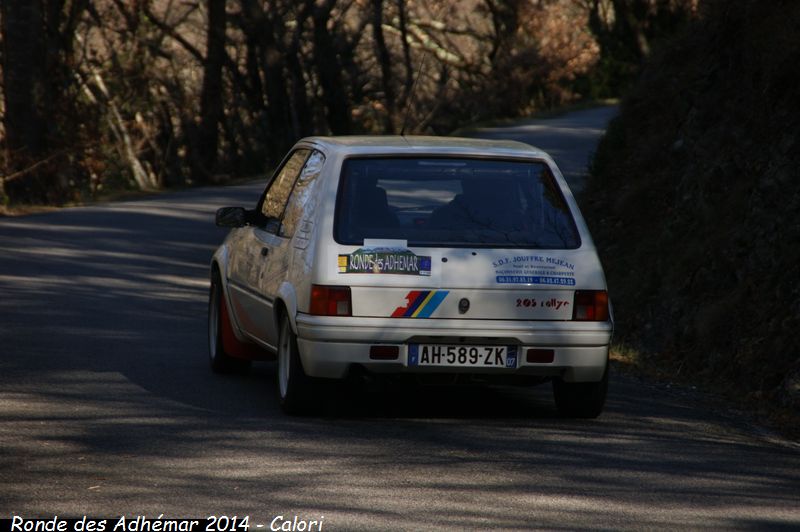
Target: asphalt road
(570,139)
(108,408)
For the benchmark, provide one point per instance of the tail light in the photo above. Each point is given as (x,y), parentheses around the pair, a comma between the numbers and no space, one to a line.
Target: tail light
(590,305)
(330,301)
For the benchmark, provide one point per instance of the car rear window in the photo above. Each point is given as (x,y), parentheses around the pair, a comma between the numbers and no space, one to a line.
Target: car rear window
(453,202)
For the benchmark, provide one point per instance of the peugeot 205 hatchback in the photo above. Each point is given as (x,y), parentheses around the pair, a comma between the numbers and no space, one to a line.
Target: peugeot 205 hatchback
(413,255)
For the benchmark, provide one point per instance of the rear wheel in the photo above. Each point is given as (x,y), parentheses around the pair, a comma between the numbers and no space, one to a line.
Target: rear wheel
(581,399)
(221,361)
(295,388)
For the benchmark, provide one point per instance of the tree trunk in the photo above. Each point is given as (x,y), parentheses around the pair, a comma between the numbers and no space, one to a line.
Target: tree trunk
(385,61)
(25,93)
(409,81)
(505,19)
(629,24)
(211,109)
(302,121)
(334,94)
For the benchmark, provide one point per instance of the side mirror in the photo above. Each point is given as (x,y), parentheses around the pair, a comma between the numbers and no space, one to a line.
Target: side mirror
(231,217)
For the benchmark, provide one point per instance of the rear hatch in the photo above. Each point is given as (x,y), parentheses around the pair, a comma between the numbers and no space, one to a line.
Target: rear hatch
(430,238)
(497,284)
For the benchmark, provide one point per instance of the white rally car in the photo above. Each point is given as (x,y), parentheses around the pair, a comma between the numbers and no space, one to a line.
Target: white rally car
(464,258)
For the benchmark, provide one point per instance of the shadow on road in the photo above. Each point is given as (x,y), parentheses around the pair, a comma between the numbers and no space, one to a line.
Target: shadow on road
(123,289)
(108,405)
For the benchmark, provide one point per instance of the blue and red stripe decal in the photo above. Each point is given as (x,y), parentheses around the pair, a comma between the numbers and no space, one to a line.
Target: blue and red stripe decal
(421,304)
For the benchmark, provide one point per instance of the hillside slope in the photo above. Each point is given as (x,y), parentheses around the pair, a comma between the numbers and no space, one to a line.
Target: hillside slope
(694,203)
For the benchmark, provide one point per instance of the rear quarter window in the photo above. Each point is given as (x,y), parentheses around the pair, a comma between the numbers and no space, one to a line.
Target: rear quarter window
(453,202)
(302,198)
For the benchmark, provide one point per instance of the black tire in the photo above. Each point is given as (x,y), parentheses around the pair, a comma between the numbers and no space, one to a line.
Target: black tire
(583,400)
(221,362)
(295,388)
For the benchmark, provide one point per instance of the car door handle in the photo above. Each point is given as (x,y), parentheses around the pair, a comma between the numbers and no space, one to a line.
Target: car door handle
(264,252)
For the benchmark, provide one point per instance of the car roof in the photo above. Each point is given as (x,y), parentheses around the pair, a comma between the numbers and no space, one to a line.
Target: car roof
(424,145)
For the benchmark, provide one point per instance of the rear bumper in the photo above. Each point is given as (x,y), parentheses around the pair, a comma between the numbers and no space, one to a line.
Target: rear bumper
(330,346)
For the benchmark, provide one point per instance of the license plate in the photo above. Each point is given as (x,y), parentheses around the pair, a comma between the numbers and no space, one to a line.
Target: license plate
(472,356)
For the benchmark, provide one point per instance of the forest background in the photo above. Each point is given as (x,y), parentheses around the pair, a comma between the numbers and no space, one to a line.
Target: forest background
(109,95)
